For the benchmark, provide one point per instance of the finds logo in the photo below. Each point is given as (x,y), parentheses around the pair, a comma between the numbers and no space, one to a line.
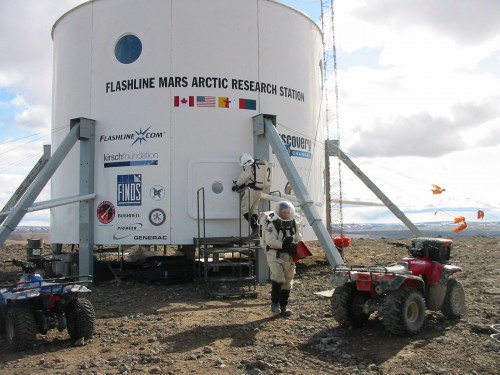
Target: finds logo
(129,190)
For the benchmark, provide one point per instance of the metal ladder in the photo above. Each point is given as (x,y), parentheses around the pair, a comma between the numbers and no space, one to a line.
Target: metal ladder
(226,264)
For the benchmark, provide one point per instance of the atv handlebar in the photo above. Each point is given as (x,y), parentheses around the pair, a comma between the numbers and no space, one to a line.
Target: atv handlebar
(27,266)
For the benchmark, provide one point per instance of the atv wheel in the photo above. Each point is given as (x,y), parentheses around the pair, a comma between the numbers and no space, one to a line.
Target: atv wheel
(20,327)
(454,301)
(347,305)
(403,311)
(80,315)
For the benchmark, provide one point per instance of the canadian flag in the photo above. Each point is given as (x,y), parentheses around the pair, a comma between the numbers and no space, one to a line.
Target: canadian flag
(181,101)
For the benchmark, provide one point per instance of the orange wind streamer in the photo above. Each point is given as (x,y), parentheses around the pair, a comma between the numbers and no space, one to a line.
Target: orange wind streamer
(462,226)
(436,189)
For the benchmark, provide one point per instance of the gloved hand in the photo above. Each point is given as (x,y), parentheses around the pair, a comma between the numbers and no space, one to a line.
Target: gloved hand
(235,186)
(288,246)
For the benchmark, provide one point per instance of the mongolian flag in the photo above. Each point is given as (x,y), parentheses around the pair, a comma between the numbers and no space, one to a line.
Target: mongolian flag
(248,104)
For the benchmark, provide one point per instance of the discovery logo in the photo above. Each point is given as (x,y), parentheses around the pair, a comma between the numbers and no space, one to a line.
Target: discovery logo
(297,146)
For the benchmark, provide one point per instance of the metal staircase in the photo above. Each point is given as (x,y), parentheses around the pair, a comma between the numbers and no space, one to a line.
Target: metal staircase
(226,264)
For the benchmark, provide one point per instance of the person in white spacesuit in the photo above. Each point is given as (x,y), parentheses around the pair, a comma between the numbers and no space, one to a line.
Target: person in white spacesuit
(281,238)
(251,194)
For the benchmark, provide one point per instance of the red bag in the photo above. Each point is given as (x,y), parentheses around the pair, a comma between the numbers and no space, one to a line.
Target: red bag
(303,251)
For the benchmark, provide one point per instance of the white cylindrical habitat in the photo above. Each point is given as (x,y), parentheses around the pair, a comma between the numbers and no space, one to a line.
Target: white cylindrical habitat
(173,86)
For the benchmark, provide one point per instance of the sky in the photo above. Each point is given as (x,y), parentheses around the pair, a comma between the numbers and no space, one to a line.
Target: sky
(418,86)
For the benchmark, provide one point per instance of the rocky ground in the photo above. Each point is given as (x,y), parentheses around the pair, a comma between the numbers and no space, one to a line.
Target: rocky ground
(175,329)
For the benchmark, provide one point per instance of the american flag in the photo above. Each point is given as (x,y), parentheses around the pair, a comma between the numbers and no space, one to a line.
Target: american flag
(205,101)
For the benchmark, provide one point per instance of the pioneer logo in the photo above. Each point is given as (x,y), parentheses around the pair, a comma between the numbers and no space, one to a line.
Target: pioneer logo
(124,231)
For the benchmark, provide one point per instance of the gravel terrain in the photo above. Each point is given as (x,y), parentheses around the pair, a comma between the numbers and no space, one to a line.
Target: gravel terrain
(174,329)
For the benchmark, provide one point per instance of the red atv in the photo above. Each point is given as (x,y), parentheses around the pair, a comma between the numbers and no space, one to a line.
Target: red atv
(400,292)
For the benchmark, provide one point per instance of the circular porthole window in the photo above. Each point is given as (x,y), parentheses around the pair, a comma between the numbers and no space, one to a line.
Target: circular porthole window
(217,187)
(128,49)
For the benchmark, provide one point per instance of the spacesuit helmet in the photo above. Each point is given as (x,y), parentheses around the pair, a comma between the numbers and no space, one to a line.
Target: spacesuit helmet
(285,211)
(246,159)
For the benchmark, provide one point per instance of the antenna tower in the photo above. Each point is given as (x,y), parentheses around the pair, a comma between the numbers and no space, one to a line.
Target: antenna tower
(334,208)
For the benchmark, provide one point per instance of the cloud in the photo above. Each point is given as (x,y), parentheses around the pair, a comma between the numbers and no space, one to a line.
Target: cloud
(417,135)
(28,66)
(432,136)
(26,63)
(467,22)
(443,34)
(35,118)
(476,113)
(18,114)
(491,137)
(414,82)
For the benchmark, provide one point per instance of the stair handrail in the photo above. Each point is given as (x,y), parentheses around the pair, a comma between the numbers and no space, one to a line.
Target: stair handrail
(201,246)
(242,192)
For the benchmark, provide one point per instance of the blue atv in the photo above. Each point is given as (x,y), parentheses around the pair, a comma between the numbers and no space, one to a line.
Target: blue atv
(33,304)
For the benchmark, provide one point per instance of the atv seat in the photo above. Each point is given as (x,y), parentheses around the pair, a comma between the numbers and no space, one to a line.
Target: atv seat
(399,268)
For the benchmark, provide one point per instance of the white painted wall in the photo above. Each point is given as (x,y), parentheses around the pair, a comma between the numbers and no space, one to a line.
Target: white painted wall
(229,40)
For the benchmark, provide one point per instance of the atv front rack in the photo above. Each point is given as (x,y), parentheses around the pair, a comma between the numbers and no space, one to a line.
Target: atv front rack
(374,271)
(373,278)
(48,286)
